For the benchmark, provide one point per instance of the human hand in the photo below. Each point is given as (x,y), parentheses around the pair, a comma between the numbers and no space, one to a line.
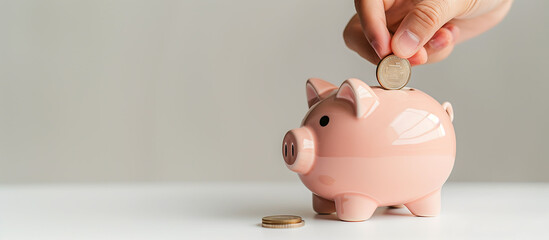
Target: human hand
(423,31)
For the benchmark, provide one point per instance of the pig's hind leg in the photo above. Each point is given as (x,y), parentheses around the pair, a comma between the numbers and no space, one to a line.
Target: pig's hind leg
(427,206)
(322,205)
(354,207)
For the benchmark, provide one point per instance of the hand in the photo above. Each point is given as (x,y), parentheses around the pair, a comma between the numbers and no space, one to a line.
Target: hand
(423,31)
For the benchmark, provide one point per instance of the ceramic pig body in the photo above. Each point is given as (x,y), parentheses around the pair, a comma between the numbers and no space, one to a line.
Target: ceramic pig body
(362,147)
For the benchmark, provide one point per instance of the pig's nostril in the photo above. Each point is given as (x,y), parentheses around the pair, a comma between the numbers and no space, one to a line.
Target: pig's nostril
(292,149)
(285,150)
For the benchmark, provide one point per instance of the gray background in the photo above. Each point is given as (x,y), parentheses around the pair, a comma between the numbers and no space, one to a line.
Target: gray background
(205,90)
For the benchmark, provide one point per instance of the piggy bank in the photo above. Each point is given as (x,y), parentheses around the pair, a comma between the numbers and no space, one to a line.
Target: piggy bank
(361,147)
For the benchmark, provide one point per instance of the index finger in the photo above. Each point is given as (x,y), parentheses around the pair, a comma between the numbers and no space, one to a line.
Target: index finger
(374,25)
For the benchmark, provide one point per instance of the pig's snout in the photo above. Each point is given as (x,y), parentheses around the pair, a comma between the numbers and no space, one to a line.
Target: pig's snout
(298,150)
(289,148)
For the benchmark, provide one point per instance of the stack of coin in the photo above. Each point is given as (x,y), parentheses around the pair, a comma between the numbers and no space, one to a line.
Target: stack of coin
(282,221)
(393,73)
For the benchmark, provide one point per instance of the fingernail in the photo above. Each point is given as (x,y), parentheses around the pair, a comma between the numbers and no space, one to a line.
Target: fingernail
(376,47)
(408,43)
(436,43)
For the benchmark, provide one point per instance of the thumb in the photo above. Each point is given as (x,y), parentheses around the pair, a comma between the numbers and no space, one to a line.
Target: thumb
(422,23)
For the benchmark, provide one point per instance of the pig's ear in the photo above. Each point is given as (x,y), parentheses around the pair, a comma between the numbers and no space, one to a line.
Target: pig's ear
(360,95)
(318,89)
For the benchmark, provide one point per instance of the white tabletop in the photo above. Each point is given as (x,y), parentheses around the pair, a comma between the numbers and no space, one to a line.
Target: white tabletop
(234,211)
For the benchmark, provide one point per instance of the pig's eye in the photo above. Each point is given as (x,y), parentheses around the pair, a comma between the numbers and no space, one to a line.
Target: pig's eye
(324,120)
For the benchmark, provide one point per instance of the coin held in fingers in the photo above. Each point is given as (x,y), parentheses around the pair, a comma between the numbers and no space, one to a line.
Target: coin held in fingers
(393,73)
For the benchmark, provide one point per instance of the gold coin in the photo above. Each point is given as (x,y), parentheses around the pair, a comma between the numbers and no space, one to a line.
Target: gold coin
(281,219)
(293,225)
(393,72)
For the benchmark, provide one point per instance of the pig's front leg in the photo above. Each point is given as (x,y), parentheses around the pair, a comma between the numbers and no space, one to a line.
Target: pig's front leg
(354,207)
(322,205)
(427,206)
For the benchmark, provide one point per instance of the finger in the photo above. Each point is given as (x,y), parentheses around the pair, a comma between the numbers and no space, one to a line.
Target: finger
(421,24)
(356,41)
(440,54)
(419,58)
(443,37)
(371,14)
(442,43)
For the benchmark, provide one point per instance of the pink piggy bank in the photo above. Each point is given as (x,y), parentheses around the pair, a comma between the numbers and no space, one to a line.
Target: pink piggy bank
(361,147)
